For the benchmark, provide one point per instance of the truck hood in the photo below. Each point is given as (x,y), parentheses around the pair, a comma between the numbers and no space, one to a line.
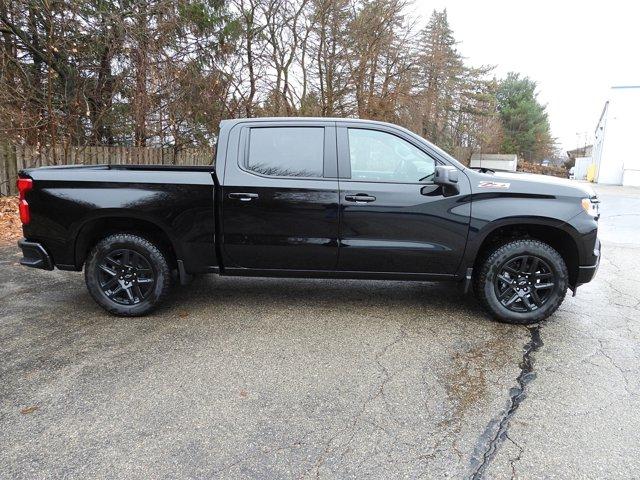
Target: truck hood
(531,180)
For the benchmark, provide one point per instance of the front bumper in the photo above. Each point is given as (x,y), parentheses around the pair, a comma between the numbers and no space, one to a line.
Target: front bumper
(586,273)
(34,255)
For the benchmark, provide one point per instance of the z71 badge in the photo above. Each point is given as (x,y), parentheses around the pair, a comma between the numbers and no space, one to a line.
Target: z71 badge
(493,185)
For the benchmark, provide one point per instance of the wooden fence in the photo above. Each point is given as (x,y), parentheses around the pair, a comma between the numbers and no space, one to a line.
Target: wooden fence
(14,158)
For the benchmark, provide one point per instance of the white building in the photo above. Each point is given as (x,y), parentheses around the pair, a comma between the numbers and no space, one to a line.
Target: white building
(615,149)
(581,167)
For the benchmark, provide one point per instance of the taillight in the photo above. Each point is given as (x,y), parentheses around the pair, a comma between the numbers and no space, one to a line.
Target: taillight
(24,185)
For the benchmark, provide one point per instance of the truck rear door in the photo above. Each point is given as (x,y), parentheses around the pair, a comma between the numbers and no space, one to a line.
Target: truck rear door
(280,196)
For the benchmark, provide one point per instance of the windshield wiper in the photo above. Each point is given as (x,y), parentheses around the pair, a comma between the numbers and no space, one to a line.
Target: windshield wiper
(483,169)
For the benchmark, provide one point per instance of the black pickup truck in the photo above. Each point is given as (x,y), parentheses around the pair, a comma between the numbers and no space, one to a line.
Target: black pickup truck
(314,197)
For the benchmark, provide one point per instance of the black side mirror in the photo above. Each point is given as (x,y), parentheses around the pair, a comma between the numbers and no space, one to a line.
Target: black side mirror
(447,177)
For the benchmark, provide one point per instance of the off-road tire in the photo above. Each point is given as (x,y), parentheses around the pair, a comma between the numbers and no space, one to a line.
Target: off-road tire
(141,246)
(485,278)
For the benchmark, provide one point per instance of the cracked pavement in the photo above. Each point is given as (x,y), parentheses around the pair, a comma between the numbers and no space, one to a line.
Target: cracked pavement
(273,378)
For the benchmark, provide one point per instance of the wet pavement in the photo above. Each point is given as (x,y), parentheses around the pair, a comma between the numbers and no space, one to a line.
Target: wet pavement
(271,378)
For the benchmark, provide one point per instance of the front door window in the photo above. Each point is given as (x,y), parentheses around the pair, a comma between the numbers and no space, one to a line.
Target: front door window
(382,157)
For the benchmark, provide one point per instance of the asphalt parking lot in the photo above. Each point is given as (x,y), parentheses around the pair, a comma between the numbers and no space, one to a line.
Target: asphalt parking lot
(264,378)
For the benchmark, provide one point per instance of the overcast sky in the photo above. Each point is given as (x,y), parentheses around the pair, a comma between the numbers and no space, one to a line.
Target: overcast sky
(575,50)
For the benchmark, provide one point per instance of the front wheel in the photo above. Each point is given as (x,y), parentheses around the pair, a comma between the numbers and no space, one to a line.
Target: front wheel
(127,275)
(522,282)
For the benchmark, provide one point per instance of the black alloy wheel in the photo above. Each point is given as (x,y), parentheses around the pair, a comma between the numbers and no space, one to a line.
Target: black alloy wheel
(126,276)
(524,283)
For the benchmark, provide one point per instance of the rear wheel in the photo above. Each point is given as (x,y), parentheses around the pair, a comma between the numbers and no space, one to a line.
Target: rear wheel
(127,275)
(522,282)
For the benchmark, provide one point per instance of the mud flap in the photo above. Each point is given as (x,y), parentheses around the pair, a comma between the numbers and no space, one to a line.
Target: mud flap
(185,278)
(467,280)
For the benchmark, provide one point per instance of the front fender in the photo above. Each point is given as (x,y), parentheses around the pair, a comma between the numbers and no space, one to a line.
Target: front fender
(494,210)
(478,236)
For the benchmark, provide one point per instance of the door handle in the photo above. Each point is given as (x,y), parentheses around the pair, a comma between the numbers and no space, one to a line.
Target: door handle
(360,198)
(243,197)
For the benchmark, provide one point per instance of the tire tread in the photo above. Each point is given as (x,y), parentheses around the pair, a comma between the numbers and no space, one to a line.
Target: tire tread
(491,259)
(153,250)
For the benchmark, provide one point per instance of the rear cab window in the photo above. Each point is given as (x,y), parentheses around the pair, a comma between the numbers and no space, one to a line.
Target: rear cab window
(286,151)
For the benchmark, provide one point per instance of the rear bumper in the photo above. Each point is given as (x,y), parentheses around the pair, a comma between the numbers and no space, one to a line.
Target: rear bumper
(34,255)
(586,273)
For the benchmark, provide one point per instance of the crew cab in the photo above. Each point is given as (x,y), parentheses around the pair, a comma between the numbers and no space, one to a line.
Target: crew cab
(314,198)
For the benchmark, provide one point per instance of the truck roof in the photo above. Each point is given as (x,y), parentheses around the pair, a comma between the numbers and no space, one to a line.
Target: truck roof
(308,119)
(231,122)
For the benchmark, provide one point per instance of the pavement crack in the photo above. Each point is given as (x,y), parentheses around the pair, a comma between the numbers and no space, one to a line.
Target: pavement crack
(497,431)
(513,461)
(623,371)
(351,428)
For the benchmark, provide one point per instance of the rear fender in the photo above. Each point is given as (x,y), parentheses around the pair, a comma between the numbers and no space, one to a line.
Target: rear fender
(78,233)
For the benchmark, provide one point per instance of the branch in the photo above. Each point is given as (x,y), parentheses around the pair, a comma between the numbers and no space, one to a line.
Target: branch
(57,65)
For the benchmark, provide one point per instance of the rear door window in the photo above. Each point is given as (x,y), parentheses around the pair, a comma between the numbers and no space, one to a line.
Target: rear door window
(286,151)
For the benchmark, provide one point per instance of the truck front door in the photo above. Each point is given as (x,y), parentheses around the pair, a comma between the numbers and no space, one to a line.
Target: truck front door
(393,218)
(280,197)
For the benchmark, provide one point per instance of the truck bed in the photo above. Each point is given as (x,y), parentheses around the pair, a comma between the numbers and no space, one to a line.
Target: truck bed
(71,204)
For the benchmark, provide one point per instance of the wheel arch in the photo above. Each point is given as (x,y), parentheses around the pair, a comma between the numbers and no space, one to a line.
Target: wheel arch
(553,232)
(95,229)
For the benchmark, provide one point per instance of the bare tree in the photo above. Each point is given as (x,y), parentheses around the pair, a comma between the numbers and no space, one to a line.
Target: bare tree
(165,72)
